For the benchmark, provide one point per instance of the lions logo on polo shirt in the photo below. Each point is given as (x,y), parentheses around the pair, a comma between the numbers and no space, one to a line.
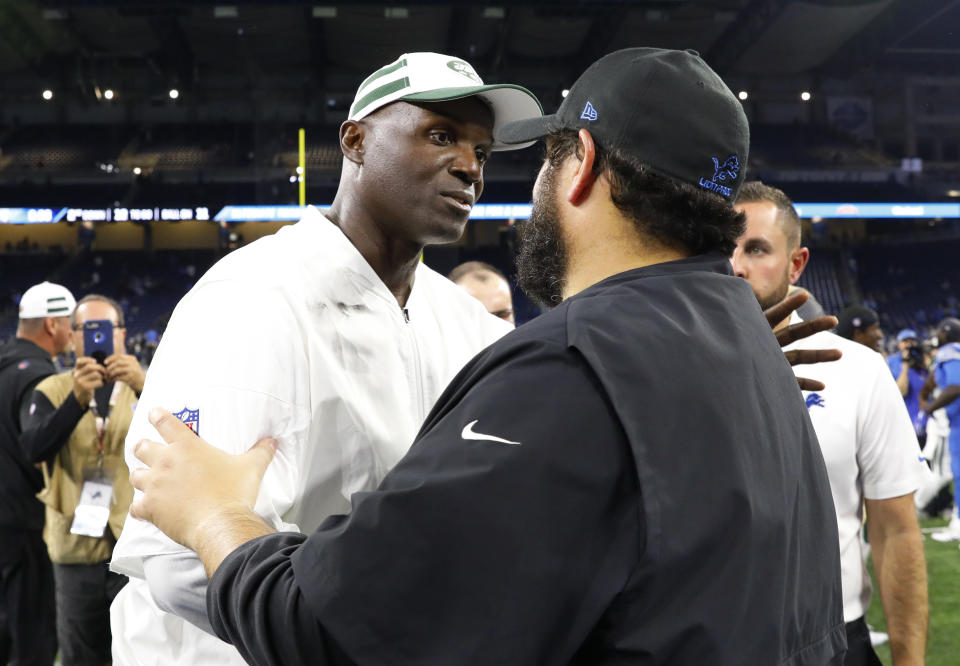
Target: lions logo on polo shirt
(815,400)
(191,417)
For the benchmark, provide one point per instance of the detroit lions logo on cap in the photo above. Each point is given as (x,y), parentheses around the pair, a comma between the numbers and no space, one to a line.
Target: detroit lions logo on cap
(462,67)
(190,417)
(728,170)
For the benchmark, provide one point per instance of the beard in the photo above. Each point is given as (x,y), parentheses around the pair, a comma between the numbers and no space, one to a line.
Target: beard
(776,295)
(541,251)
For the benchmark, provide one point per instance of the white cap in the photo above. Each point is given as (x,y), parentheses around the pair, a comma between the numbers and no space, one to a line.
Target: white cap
(434,77)
(47,300)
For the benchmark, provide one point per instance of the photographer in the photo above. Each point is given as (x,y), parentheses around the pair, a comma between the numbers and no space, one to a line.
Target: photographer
(76,427)
(909,368)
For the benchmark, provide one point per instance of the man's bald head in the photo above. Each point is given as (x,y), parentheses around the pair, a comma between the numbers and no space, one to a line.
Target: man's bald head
(488,285)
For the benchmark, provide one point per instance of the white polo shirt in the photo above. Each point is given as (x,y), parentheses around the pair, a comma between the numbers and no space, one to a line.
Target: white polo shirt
(868,444)
(293,336)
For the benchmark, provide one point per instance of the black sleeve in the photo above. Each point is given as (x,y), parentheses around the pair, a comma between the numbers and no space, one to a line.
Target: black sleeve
(26,399)
(256,589)
(502,536)
(46,429)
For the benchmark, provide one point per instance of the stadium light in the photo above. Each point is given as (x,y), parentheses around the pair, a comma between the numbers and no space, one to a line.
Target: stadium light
(743,95)
(174,93)
(137,171)
(108,94)
(564,92)
(48,94)
(805,96)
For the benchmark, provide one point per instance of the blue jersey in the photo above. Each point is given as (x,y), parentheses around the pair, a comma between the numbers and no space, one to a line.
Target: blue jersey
(948,373)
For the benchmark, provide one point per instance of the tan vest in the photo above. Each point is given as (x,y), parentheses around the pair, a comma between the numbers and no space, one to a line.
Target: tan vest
(62,484)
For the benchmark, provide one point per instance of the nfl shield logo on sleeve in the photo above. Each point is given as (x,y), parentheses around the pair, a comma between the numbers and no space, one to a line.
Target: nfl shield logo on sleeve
(191,417)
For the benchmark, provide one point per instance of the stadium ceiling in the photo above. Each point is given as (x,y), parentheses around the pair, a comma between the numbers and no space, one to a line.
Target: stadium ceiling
(230,48)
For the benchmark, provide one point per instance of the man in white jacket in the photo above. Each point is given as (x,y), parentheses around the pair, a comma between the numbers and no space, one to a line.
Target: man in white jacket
(331,335)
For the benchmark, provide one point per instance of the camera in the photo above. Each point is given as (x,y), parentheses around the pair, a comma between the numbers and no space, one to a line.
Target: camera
(916,357)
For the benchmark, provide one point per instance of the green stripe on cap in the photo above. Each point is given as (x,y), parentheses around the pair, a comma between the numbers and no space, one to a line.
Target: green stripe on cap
(379,93)
(51,311)
(383,71)
(56,298)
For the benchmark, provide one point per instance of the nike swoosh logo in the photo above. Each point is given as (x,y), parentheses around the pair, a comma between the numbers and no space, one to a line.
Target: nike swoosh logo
(468,433)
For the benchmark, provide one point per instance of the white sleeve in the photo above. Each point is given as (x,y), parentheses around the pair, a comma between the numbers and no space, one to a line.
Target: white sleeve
(178,585)
(887,451)
(235,354)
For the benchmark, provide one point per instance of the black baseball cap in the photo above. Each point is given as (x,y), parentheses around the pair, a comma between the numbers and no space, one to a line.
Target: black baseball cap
(666,109)
(855,318)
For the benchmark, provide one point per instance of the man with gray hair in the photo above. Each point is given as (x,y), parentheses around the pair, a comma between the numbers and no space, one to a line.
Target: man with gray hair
(27,616)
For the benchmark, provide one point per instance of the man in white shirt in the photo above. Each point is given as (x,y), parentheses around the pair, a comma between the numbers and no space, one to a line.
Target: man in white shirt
(866,437)
(330,335)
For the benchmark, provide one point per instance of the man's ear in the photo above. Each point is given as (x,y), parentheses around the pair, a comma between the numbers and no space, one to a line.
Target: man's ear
(50,326)
(583,178)
(352,135)
(798,261)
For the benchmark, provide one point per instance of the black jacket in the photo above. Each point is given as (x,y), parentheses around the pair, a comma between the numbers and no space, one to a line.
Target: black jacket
(631,478)
(22,365)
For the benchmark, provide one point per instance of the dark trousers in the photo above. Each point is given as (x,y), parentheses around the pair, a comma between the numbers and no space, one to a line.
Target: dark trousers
(859,650)
(84,595)
(27,612)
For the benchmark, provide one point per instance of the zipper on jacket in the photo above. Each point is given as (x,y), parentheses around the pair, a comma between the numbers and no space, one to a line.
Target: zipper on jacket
(417,366)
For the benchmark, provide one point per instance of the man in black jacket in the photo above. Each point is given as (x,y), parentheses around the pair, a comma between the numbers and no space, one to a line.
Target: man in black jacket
(653,491)
(27,617)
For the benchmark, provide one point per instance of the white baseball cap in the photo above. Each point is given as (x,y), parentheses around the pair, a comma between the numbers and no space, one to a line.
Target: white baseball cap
(434,77)
(47,300)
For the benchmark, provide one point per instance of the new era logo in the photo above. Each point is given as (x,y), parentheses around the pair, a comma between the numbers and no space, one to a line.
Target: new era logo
(589,113)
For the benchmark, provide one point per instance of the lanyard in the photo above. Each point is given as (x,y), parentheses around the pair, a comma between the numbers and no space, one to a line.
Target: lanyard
(103,422)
